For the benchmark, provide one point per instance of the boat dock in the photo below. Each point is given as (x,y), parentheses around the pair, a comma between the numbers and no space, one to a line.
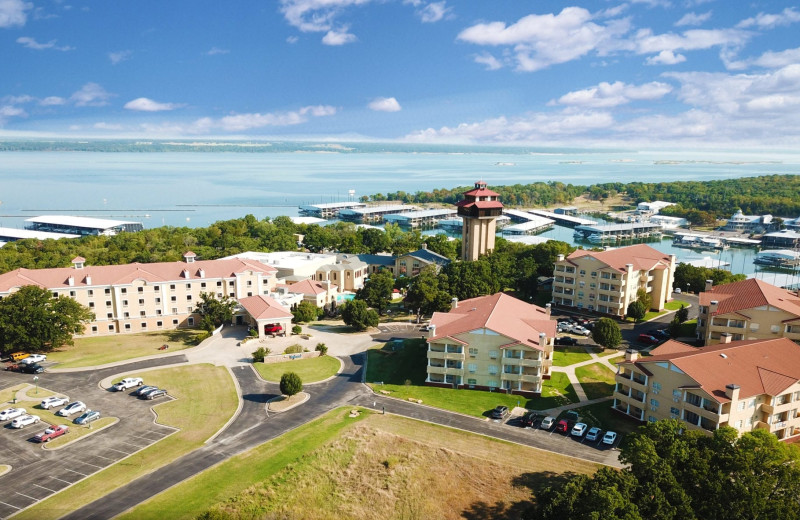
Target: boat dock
(532,225)
(704,241)
(784,258)
(328,209)
(564,220)
(600,233)
(426,217)
(374,213)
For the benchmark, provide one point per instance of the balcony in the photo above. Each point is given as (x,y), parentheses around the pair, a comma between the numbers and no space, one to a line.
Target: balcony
(525,378)
(523,362)
(441,354)
(445,370)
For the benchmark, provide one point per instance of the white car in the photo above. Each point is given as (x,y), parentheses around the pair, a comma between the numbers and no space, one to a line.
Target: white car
(25,420)
(33,358)
(577,329)
(128,382)
(72,408)
(579,429)
(50,402)
(547,422)
(11,413)
(610,438)
(594,434)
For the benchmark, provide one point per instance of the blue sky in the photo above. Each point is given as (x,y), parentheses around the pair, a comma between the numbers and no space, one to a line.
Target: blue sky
(658,73)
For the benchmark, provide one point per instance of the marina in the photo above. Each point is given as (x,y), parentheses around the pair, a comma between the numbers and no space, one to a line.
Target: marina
(609,233)
(374,213)
(422,218)
(328,209)
(566,220)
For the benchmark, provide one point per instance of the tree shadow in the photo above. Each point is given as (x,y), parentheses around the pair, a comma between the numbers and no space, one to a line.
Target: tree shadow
(535,482)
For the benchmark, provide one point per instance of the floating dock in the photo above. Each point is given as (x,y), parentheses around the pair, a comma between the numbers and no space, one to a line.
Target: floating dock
(328,209)
(529,227)
(601,233)
(374,213)
(426,217)
(564,220)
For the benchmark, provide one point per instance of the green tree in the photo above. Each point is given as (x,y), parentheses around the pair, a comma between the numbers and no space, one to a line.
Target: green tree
(33,320)
(377,291)
(214,311)
(606,333)
(322,348)
(682,314)
(675,327)
(305,312)
(260,353)
(471,279)
(291,384)
(636,310)
(356,314)
(426,294)
(375,241)
(643,297)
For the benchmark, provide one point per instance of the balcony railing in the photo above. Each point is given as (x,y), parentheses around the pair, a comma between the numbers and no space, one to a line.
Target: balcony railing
(521,362)
(527,378)
(437,354)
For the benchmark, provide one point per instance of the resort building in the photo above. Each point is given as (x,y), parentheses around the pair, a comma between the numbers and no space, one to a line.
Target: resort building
(81,225)
(750,309)
(744,384)
(479,210)
(265,315)
(608,281)
(490,343)
(653,207)
(13,234)
(410,264)
(144,297)
(784,239)
(321,294)
(742,223)
(667,222)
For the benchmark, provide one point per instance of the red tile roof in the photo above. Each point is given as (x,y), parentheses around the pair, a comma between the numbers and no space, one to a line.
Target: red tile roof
(264,308)
(306,287)
(57,278)
(478,192)
(747,294)
(642,256)
(765,366)
(501,313)
(480,204)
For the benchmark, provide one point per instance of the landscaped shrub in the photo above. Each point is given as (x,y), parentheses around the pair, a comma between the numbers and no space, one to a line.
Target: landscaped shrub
(201,337)
(321,348)
(291,384)
(260,354)
(297,329)
(293,349)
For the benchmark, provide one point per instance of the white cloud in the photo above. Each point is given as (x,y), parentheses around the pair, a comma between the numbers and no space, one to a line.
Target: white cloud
(292,39)
(144,104)
(119,56)
(768,21)
(433,12)
(241,122)
(693,18)
(11,111)
(50,101)
(13,13)
(91,95)
(489,61)
(31,43)
(645,42)
(338,37)
(315,15)
(606,95)
(383,104)
(214,51)
(107,126)
(653,3)
(665,58)
(540,41)
(779,59)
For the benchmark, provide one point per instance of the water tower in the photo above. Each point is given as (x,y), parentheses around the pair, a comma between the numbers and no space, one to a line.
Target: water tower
(479,210)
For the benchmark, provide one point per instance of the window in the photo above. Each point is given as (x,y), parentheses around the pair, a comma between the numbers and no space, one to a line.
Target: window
(739,423)
(123,290)
(159,324)
(250,282)
(172,287)
(72,294)
(202,285)
(583,272)
(55,295)
(144,324)
(191,321)
(124,303)
(174,310)
(127,326)
(492,384)
(141,301)
(656,386)
(188,286)
(91,305)
(230,294)
(188,297)
(141,290)
(473,352)
(472,382)
(219,284)
(230,284)
(90,292)
(108,291)
(109,315)
(594,274)
(654,403)
(158,312)
(742,405)
(493,369)
(94,328)
(751,403)
(492,354)
(142,314)
(126,314)
(173,298)
(650,418)
(674,411)
(189,309)
(472,367)
(111,328)
(174,322)
(775,329)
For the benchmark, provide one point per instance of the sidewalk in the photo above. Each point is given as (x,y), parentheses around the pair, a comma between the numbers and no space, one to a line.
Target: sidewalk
(569,370)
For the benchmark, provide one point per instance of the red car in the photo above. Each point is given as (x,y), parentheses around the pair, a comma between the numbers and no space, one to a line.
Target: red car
(51,433)
(272,328)
(647,338)
(562,426)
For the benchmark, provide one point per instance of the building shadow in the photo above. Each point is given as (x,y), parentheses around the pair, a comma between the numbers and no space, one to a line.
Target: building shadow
(501,510)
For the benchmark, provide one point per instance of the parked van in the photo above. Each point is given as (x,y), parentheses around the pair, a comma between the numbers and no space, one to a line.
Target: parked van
(17,356)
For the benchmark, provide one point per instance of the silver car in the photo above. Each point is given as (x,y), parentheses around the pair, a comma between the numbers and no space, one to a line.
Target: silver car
(25,420)
(50,402)
(72,408)
(11,413)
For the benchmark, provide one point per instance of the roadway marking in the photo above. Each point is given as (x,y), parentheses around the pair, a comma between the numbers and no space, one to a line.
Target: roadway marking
(73,471)
(9,505)
(90,464)
(118,451)
(26,496)
(61,479)
(48,489)
(106,458)
(134,445)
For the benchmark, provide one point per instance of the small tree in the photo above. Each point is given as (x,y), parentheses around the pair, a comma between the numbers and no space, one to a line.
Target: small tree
(606,333)
(297,329)
(637,310)
(322,348)
(643,297)
(214,311)
(675,327)
(291,384)
(682,314)
(356,314)
(260,354)
(305,312)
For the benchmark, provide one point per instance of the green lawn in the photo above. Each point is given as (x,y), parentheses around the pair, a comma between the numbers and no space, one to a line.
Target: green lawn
(99,350)
(675,305)
(395,367)
(569,355)
(205,399)
(76,432)
(601,415)
(192,497)
(610,352)
(310,370)
(596,380)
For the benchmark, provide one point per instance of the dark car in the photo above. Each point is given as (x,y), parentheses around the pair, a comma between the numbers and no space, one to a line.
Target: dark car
(664,333)
(31,369)
(566,341)
(155,394)
(144,389)
(500,412)
(528,420)
(647,338)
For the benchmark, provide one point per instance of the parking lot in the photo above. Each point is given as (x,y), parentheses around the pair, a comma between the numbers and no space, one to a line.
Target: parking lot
(38,473)
(553,436)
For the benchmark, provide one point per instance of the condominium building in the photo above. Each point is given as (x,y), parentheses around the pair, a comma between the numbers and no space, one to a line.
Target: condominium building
(750,309)
(744,384)
(608,281)
(490,343)
(144,297)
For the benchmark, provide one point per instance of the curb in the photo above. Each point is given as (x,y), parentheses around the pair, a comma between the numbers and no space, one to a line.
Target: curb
(341,367)
(73,441)
(306,397)
(6,469)
(105,383)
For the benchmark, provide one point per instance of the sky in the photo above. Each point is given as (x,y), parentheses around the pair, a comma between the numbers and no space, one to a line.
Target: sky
(658,73)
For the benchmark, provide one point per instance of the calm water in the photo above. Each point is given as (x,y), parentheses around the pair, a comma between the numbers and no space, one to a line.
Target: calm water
(197,189)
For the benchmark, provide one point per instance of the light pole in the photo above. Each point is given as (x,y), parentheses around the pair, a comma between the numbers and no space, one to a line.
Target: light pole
(36,382)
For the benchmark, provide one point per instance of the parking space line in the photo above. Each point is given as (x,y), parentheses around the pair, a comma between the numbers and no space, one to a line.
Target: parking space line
(106,458)
(61,479)
(48,489)
(9,505)
(90,464)
(73,471)
(134,445)
(118,451)
(26,496)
